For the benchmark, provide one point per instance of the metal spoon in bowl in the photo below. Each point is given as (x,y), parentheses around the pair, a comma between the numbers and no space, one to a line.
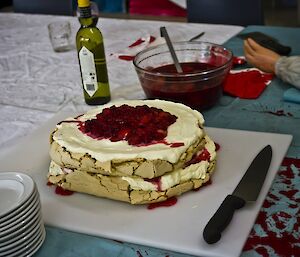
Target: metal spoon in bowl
(164,33)
(197,36)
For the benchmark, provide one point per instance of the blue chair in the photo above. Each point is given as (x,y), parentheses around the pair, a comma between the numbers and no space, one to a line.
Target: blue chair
(233,12)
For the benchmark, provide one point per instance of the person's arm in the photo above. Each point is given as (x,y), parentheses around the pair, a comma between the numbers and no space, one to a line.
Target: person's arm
(259,56)
(286,68)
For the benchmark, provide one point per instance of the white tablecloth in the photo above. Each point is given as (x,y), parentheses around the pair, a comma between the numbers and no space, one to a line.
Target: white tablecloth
(36,82)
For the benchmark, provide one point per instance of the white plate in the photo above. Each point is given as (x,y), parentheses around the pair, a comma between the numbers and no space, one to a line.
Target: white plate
(25,228)
(36,226)
(34,246)
(23,221)
(31,203)
(27,245)
(177,228)
(33,208)
(15,189)
(12,215)
(23,238)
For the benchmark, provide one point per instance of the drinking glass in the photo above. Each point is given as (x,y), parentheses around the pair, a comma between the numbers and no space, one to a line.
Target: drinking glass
(60,35)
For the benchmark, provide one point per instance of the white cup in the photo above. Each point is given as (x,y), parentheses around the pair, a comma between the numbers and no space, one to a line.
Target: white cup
(60,35)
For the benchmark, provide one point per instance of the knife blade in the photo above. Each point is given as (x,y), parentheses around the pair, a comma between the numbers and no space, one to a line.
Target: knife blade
(246,191)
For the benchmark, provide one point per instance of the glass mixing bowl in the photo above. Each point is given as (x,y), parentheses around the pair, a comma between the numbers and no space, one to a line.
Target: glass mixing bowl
(205,67)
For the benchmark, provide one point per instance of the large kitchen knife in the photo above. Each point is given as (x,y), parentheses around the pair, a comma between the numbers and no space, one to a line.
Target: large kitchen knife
(246,191)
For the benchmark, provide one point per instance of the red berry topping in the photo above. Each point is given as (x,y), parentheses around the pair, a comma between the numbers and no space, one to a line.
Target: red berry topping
(139,126)
(204,155)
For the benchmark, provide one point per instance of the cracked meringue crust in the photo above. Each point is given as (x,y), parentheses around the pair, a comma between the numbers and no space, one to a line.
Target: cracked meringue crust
(124,172)
(139,166)
(119,189)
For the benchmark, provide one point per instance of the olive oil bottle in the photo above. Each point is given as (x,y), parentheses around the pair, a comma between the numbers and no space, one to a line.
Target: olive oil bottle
(91,55)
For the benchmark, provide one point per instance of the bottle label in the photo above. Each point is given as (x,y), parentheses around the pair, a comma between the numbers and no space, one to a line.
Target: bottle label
(88,71)
(85,12)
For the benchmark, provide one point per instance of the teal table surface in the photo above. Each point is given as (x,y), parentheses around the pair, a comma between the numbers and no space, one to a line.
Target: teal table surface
(268,113)
(276,231)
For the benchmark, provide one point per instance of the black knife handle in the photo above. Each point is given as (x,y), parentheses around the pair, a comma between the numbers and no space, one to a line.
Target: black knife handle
(222,217)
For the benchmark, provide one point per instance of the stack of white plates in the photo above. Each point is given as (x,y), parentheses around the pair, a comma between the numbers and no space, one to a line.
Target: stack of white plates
(22,229)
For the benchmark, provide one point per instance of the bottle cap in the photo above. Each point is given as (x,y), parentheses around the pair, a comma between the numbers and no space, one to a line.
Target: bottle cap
(83,3)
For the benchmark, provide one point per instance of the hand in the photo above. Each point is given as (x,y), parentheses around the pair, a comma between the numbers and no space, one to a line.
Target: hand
(259,56)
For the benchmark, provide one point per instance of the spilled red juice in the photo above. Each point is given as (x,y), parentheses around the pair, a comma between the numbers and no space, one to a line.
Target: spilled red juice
(197,91)
(60,191)
(167,203)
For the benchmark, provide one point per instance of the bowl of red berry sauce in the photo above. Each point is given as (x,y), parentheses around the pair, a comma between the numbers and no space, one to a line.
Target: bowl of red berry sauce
(205,66)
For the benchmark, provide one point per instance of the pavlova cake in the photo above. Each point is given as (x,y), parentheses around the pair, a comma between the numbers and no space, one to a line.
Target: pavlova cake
(139,151)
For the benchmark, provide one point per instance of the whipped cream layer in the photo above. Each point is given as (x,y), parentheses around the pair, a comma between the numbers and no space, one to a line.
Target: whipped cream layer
(193,171)
(187,130)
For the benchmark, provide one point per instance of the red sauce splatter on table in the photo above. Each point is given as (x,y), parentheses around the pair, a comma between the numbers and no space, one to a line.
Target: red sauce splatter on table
(280,239)
(167,203)
(60,191)
(126,57)
(291,194)
(140,41)
(281,245)
(280,113)
(137,42)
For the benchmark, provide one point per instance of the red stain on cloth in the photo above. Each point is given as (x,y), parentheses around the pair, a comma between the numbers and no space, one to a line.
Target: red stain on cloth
(280,113)
(131,50)
(167,203)
(141,40)
(247,83)
(126,57)
(60,191)
(276,230)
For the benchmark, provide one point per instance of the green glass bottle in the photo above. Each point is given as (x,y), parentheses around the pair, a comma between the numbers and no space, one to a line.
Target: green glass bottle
(91,55)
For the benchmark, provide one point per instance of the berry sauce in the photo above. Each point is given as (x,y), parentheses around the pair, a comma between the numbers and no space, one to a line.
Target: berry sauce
(60,191)
(139,126)
(155,181)
(217,146)
(204,155)
(199,93)
(167,203)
